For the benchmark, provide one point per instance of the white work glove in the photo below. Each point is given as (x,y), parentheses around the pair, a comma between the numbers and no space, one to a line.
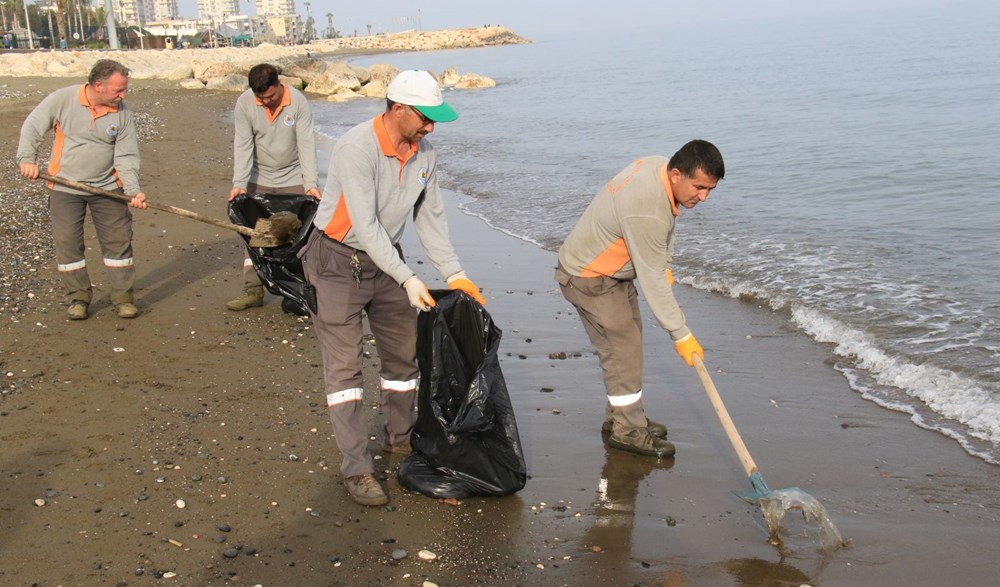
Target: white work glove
(420,298)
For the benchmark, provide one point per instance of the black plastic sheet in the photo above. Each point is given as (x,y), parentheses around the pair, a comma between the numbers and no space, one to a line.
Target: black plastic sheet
(465,441)
(279,268)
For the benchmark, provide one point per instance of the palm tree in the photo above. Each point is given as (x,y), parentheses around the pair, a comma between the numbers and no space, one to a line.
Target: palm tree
(4,8)
(12,12)
(61,9)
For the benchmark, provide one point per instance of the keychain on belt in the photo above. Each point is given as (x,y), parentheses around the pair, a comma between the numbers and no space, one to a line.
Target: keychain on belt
(356,269)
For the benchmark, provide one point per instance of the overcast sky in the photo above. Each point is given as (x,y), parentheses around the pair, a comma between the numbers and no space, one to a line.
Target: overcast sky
(544,18)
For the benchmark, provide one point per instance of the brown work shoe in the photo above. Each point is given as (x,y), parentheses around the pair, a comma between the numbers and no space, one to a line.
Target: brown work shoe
(655,428)
(77,310)
(246,300)
(126,310)
(365,490)
(641,442)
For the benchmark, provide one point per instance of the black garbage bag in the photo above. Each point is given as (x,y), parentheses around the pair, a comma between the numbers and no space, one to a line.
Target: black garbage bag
(465,440)
(278,267)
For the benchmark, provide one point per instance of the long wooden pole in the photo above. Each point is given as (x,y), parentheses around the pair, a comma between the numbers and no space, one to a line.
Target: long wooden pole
(156,206)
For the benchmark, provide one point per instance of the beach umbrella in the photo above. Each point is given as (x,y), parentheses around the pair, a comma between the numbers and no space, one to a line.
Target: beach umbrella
(774,503)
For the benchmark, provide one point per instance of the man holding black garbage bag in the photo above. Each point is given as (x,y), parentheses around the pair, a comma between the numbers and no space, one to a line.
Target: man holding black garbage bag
(274,152)
(381,172)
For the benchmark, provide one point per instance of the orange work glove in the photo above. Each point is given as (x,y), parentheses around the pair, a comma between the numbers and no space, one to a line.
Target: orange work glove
(670,277)
(461,282)
(687,348)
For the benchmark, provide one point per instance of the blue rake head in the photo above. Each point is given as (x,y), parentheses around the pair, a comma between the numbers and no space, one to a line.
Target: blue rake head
(760,489)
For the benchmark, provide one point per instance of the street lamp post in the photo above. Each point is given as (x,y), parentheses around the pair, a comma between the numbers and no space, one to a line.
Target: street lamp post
(138,16)
(305,33)
(27,25)
(109,21)
(253,37)
(52,36)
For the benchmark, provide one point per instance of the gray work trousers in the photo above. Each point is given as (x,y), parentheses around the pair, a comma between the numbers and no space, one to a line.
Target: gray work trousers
(340,304)
(113,223)
(609,310)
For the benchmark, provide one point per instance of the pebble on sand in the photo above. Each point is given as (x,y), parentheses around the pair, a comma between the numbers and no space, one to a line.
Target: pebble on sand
(427,555)
(181,504)
(39,502)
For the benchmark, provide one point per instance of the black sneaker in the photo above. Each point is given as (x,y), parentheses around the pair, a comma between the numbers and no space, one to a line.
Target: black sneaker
(641,442)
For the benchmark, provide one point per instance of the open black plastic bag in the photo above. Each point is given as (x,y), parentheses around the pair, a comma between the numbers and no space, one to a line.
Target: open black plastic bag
(465,440)
(278,267)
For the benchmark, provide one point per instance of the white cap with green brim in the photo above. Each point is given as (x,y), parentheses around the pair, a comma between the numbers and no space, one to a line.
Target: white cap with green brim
(418,88)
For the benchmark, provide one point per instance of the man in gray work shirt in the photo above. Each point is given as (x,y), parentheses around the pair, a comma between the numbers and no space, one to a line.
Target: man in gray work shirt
(382,172)
(96,144)
(274,152)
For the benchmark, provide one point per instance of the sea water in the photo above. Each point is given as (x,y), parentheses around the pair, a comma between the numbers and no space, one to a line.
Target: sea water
(862,177)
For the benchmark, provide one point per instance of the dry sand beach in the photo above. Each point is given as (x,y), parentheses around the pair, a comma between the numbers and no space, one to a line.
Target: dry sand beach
(105,424)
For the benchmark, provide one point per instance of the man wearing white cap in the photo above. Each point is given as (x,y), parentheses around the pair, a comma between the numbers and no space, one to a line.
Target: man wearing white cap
(381,172)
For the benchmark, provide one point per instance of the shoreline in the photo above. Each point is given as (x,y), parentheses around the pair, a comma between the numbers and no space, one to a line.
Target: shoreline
(203,64)
(209,406)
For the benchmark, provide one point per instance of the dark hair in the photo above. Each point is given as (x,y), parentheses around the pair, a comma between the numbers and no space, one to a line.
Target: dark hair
(104,69)
(262,77)
(698,154)
(388,104)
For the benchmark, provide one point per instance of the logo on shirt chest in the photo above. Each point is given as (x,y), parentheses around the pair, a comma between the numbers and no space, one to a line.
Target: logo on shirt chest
(289,120)
(422,176)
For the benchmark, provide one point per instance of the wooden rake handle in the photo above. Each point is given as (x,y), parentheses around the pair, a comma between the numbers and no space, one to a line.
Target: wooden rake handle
(727,423)
(154,205)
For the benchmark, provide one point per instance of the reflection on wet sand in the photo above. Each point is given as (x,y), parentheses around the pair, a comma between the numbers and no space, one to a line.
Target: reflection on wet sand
(613,510)
(610,536)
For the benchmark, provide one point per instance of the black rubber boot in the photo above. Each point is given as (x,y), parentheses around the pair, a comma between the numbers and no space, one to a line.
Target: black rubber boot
(640,441)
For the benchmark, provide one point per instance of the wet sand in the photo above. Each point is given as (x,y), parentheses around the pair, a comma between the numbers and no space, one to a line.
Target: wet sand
(110,422)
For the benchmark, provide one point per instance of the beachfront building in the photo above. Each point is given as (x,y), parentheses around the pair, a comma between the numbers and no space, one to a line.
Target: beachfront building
(279,23)
(275,7)
(282,29)
(217,9)
(164,10)
(133,12)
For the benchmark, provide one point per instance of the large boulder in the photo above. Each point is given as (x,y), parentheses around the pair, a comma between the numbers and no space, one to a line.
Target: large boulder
(450,76)
(382,72)
(295,82)
(376,88)
(225,69)
(305,69)
(364,76)
(337,76)
(192,84)
(472,81)
(229,83)
(343,95)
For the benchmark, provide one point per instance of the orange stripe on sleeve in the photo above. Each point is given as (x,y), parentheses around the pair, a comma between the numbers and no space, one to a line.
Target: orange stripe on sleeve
(340,224)
(609,261)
